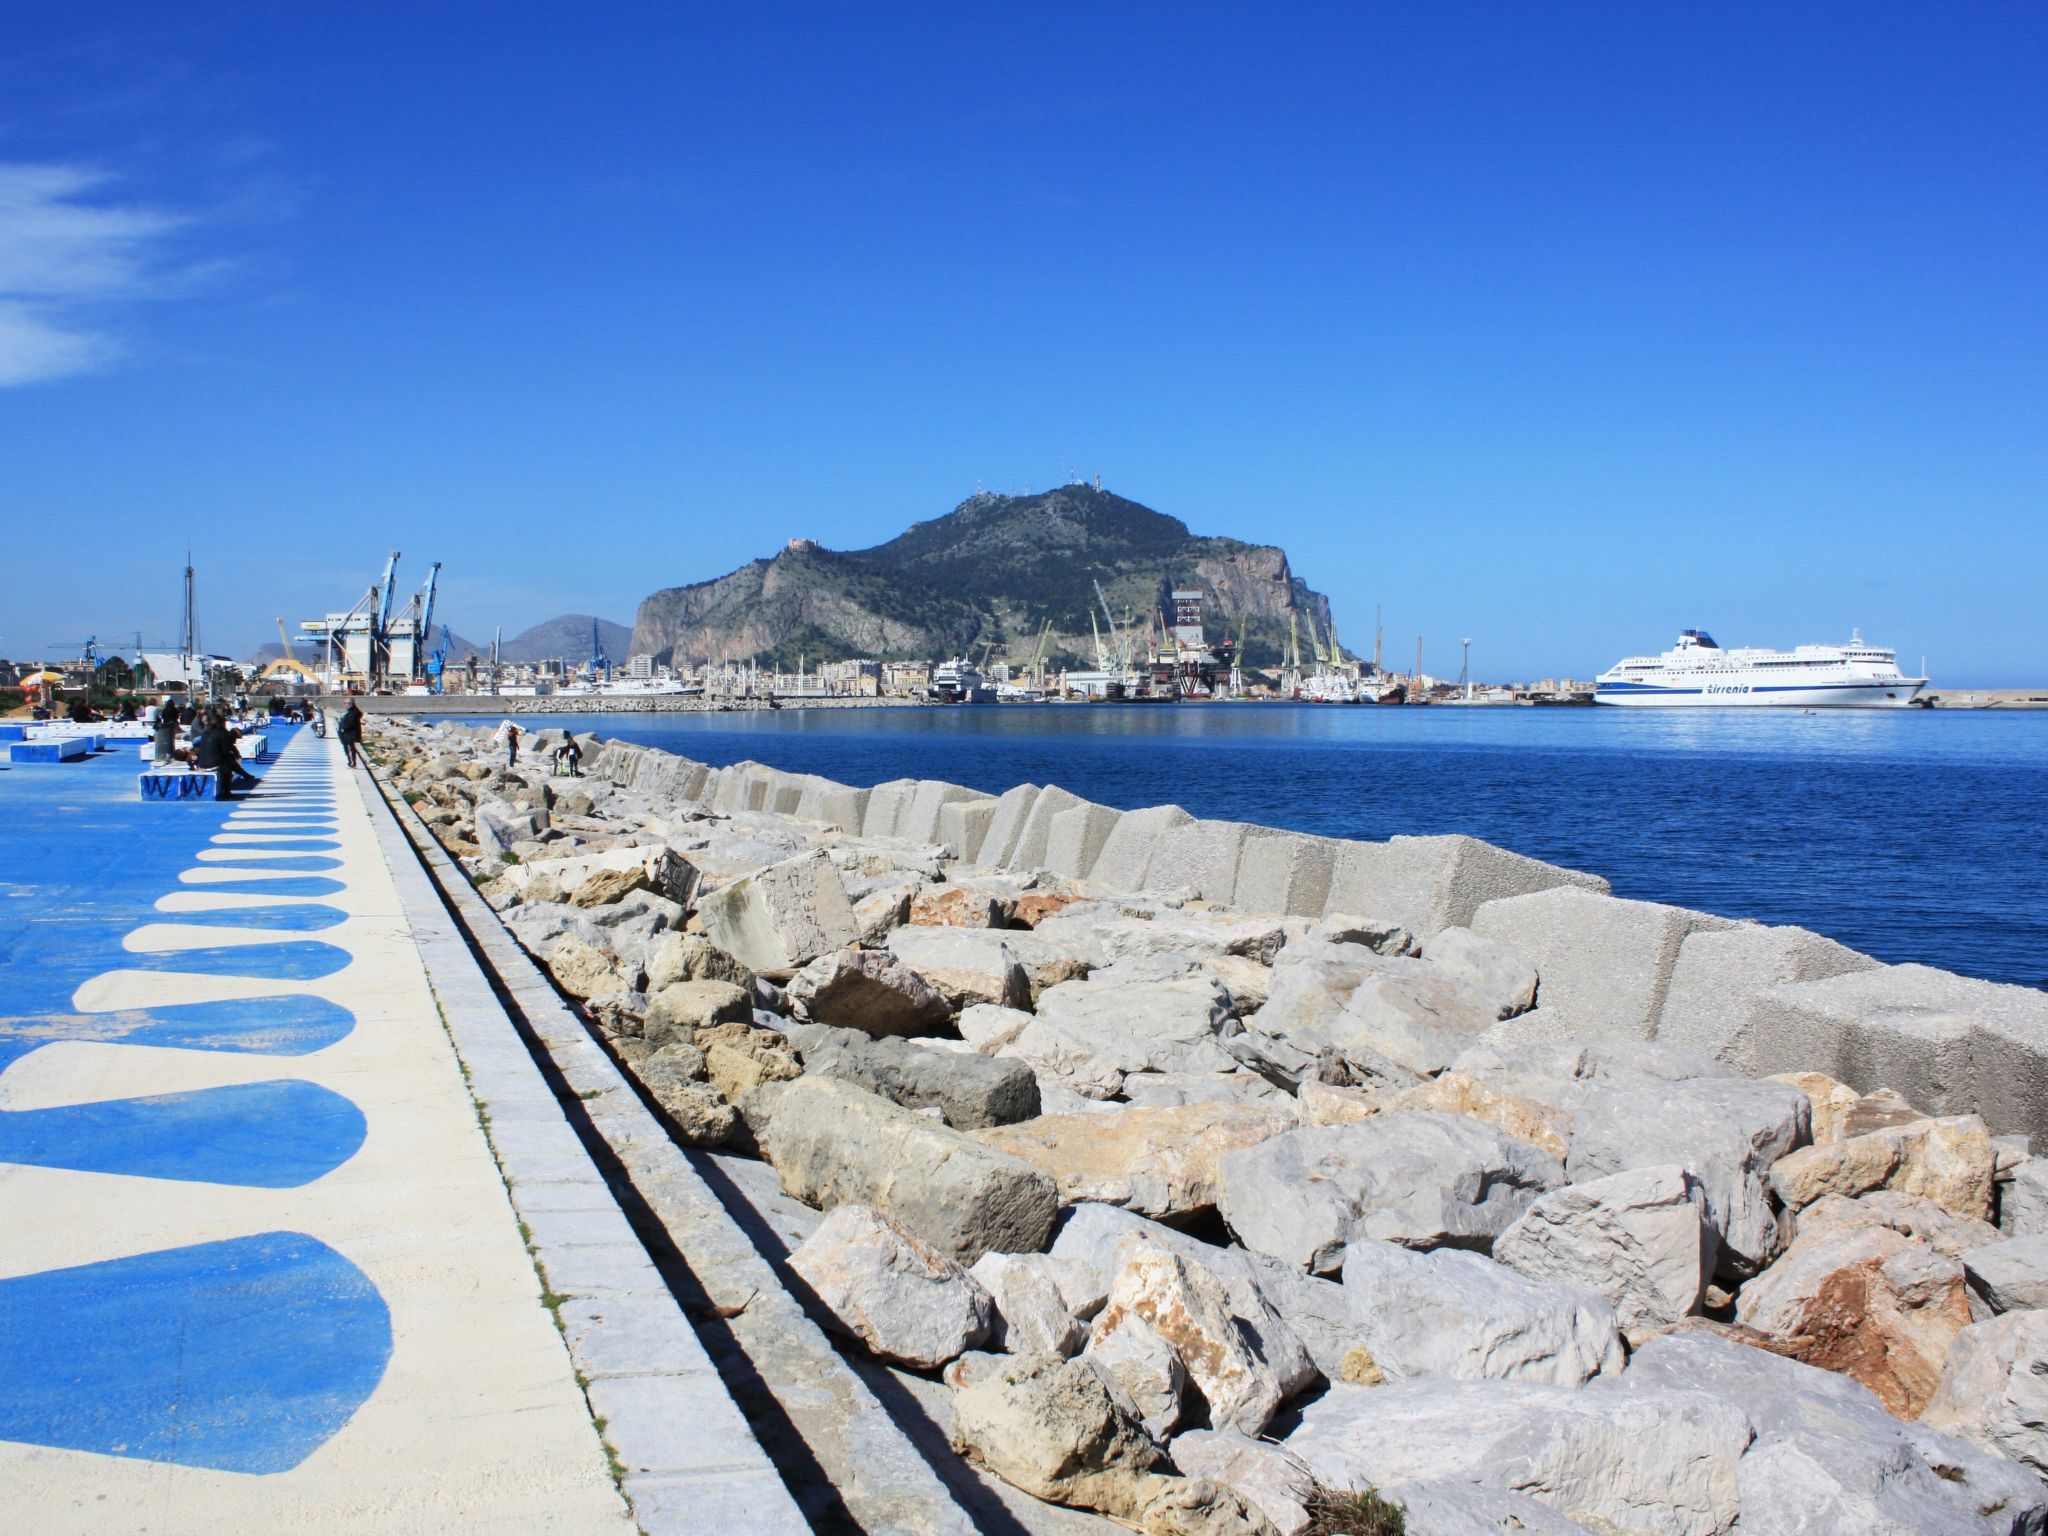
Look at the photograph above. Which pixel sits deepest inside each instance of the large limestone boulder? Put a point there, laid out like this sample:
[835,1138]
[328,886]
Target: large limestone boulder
[1107,932]
[673,957]
[1167,1090]
[582,969]
[1949,1161]
[1707,1007]
[834,1144]
[1151,1015]
[682,1008]
[1032,1314]
[1857,1467]
[1408,1012]
[1727,1132]
[1647,1459]
[870,991]
[1560,1071]
[1994,1390]
[1160,1162]
[2011,1276]
[1908,1215]
[1503,979]
[661,872]
[1129,1353]
[970,1090]
[966,966]
[1867,1302]
[1053,1428]
[1641,1239]
[1312,981]
[1463,1317]
[1418,1178]
[1544,1125]
[782,917]
[1189,1309]
[1428,884]
[1605,962]
[1084,1256]
[957,906]
[902,1298]
[1256,1469]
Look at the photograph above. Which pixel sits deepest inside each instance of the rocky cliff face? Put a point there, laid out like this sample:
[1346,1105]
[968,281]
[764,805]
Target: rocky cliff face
[995,568]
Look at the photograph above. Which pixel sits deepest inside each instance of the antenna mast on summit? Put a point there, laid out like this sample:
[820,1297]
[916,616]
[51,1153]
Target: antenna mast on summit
[1376,637]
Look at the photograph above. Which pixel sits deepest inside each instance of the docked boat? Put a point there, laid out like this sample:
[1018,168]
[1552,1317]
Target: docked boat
[1697,672]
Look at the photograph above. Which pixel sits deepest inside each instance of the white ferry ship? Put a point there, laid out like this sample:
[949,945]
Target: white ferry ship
[1699,673]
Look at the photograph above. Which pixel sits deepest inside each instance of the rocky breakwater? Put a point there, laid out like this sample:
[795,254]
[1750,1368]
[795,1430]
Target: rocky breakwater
[1221,1174]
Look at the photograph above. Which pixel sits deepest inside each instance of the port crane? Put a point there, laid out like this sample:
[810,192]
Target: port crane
[600,665]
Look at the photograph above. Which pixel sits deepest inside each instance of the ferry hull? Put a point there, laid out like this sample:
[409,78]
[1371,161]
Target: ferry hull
[1873,695]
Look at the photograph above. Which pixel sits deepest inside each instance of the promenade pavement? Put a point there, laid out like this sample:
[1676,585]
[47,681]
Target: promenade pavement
[258,1267]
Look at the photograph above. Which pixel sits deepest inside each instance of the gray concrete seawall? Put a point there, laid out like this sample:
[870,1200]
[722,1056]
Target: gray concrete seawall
[1763,999]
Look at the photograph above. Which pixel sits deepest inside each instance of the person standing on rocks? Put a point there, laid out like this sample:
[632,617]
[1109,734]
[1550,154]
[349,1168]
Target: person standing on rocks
[511,745]
[350,730]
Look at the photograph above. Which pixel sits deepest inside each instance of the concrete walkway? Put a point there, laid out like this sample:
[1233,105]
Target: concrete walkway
[258,1266]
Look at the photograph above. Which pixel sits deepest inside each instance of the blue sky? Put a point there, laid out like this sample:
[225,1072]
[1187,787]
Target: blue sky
[1557,326]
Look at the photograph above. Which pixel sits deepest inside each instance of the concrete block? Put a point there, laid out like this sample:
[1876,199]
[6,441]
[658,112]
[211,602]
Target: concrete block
[1605,963]
[1285,874]
[886,805]
[1951,1044]
[963,827]
[785,791]
[741,787]
[1074,840]
[1428,884]
[782,917]
[1012,806]
[1200,856]
[1128,848]
[1718,975]
[844,808]
[1036,832]
[919,822]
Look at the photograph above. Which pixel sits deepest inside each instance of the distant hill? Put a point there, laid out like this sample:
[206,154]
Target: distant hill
[567,637]
[995,568]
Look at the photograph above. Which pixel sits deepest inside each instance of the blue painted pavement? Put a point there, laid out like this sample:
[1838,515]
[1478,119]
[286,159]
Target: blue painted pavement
[242,1355]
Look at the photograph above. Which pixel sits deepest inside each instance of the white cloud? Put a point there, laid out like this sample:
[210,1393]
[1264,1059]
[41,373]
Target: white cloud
[66,262]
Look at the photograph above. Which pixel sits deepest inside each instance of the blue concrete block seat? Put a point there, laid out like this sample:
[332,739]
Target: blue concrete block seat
[178,783]
[13,731]
[64,749]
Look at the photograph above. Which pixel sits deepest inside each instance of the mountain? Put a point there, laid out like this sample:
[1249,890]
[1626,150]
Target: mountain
[567,637]
[995,568]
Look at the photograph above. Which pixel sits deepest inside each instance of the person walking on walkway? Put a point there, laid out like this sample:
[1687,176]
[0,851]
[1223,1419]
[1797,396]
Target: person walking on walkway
[350,730]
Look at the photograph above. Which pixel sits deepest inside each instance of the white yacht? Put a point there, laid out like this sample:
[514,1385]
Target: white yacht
[1697,672]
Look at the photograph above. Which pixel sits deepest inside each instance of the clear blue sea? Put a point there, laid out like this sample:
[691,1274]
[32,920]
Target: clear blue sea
[1912,835]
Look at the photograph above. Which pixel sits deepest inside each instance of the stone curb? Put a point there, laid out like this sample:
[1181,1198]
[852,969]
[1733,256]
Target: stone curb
[853,1445]
[692,1464]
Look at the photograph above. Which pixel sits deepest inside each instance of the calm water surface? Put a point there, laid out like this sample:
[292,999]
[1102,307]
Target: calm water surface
[1912,834]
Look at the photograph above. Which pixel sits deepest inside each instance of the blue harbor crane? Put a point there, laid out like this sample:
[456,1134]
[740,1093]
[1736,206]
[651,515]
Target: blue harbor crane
[600,664]
[438,662]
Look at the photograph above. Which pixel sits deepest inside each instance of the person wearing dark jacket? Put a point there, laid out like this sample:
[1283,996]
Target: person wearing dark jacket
[214,750]
[350,730]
